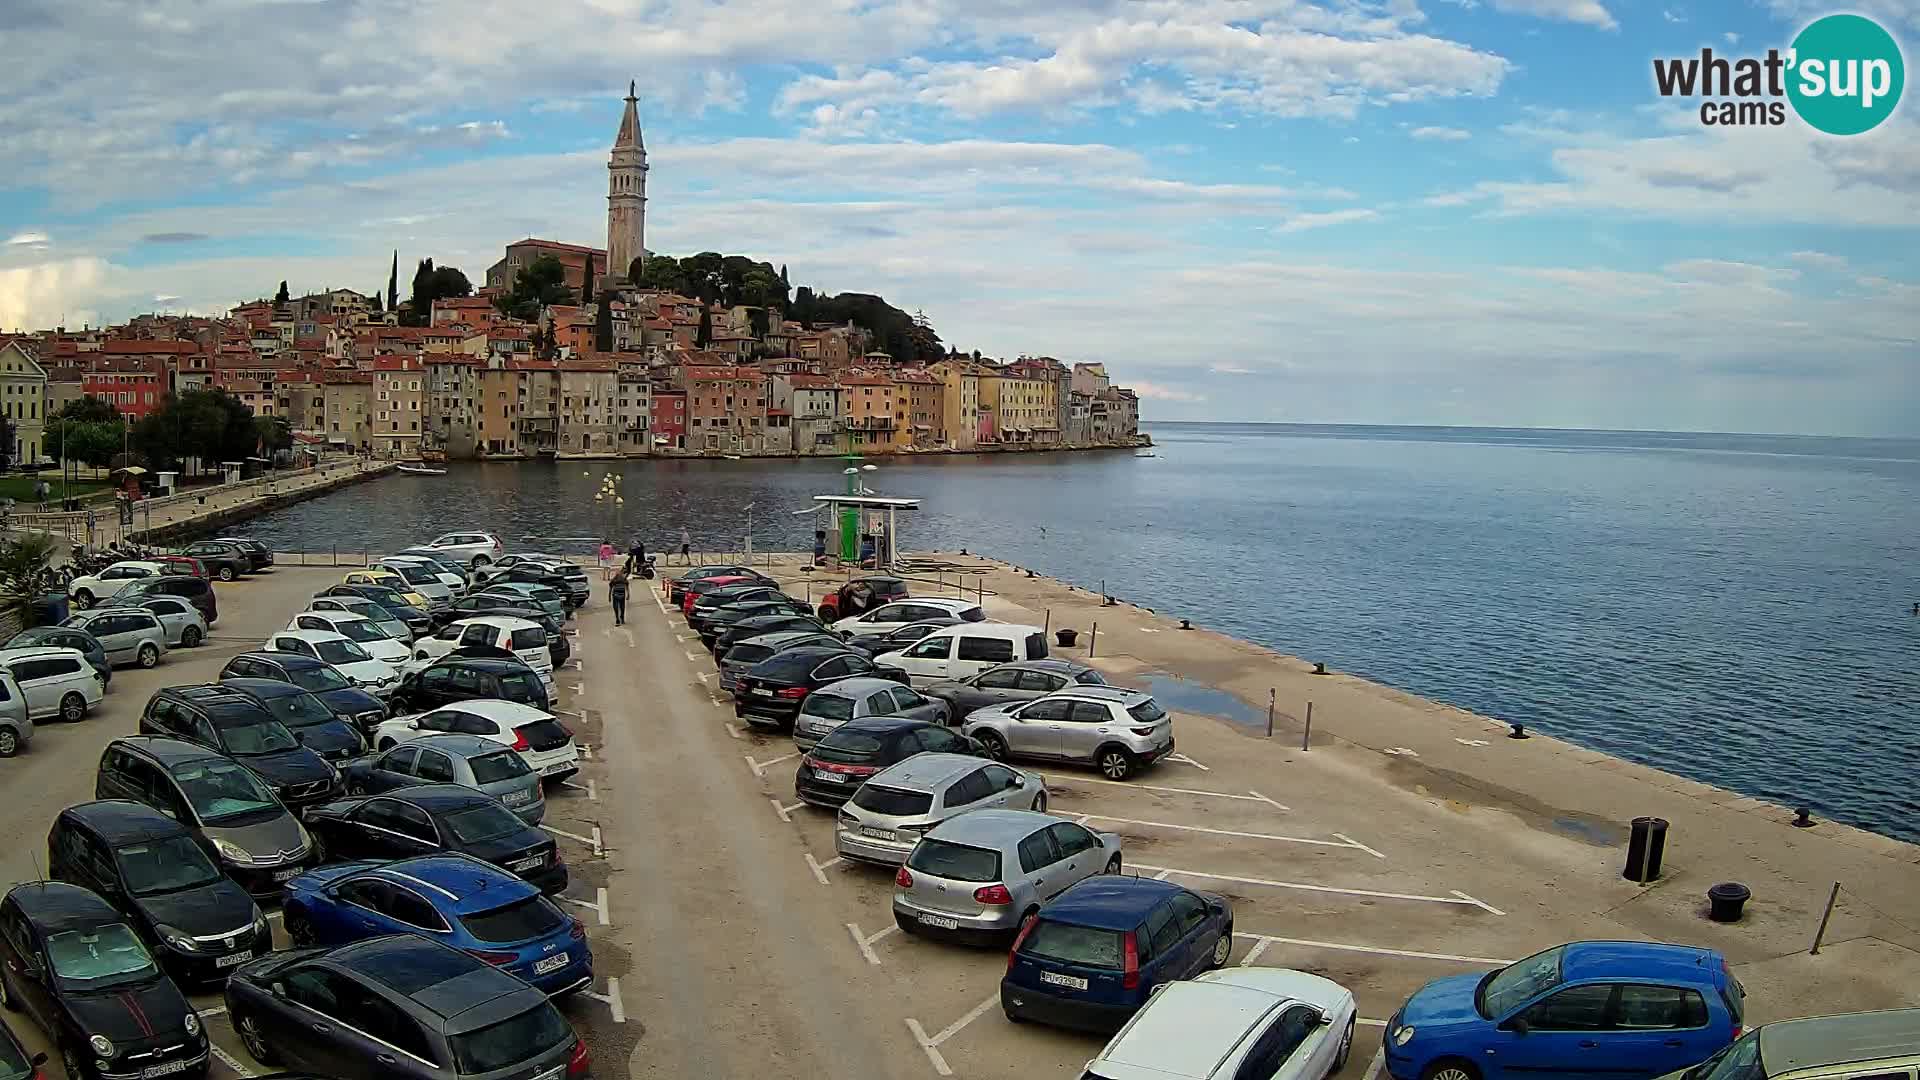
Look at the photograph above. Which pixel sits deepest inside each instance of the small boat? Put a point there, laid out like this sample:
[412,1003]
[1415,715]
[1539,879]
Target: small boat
[731,457]
[1145,453]
[421,470]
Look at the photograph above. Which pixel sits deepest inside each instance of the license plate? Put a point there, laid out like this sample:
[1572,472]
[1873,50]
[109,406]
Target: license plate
[551,964]
[558,766]
[288,874]
[551,1074]
[515,798]
[168,1069]
[234,960]
[877,834]
[527,864]
[829,777]
[939,921]
[1069,981]
[763,691]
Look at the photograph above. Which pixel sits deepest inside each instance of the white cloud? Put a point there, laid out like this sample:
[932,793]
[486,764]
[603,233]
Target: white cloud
[37,295]
[28,239]
[1441,134]
[1302,222]
[1588,12]
[1154,391]
[1228,369]
[1672,16]
[1820,260]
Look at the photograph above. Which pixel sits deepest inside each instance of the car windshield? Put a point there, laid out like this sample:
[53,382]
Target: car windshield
[1148,712]
[102,956]
[522,686]
[340,652]
[482,821]
[519,921]
[511,1041]
[317,679]
[1516,984]
[358,630]
[829,706]
[221,791]
[1740,1061]
[262,737]
[416,575]
[959,862]
[892,801]
[164,866]
[1083,945]
[298,710]
[493,768]
[13,1063]
[973,614]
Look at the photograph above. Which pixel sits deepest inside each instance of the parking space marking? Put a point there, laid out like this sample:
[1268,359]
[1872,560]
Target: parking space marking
[1359,845]
[1185,760]
[211,1010]
[1341,843]
[931,1044]
[585,750]
[229,1061]
[591,841]
[864,942]
[820,868]
[760,767]
[1455,897]
[598,907]
[734,730]
[691,656]
[1250,796]
[704,676]
[592,795]
[1378,1063]
[611,999]
[680,638]
[1264,940]
[785,813]
[659,603]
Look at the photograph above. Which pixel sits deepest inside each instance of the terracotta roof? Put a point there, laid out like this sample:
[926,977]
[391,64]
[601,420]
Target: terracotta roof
[590,363]
[555,245]
[715,373]
[861,378]
[811,382]
[396,363]
[149,348]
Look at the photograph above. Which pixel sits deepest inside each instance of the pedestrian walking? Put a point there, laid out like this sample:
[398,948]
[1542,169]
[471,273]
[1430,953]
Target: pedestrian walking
[819,546]
[686,546]
[606,554]
[617,592]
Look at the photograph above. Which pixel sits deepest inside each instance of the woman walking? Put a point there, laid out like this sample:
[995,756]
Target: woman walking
[617,592]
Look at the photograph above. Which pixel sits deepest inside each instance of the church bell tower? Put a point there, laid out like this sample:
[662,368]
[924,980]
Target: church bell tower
[626,195]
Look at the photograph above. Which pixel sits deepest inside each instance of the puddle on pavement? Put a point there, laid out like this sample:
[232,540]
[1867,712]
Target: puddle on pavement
[1185,695]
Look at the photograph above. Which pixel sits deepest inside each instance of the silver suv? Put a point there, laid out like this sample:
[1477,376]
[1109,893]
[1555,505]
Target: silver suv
[1119,730]
[894,809]
[129,635]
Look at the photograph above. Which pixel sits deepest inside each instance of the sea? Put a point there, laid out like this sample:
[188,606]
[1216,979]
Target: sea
[1739,609]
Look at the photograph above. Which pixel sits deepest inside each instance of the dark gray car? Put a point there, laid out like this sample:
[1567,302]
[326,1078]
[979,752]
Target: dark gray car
[744,654]
[483,764]
[895,640]
[1022,680]
[856,699]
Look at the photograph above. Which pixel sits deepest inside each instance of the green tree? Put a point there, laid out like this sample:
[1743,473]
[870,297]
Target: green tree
[539,283]
[203,426]
[23,564]
[703,275]
[393,283]
[6,442]
[704,334]
[281,298]
[273,434]
[90,409]
[659,272]
[432,283]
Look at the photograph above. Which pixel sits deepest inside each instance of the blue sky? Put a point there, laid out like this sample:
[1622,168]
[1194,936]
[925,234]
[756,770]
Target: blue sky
[1414,211]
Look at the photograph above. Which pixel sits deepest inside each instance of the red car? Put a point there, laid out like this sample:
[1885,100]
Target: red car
[697,589]
[860,595]
[182,564]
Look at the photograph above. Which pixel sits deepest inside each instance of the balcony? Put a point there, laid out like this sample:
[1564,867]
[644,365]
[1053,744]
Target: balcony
[870,423]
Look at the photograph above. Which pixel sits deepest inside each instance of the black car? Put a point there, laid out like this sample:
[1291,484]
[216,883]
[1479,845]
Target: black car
[417,619]
[900,637]
[317,727]
[755,625]
[243,729]
[195,919]
[722,619]
[195,591]
[677,589]
[259,555]
[574,583]
[431,818]
[400,1007]
[838,764]
[710,604]
[528,574]
[1021,680]
[317,677]
[15,1062]
[73,963]
[770,693]
[222,559]
[452,679]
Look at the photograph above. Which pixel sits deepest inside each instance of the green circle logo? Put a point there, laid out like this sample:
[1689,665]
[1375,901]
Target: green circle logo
[1846,74]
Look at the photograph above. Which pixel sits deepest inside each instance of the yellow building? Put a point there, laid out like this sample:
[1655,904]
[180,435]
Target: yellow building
[23,392]
[872,417]
[959,402]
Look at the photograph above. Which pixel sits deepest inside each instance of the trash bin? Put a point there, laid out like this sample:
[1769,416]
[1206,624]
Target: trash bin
[1727,900]
[51,610]
[1065,637]
[1645,846]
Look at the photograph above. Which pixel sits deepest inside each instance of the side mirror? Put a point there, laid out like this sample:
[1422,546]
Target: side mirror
[1516,1025]
[280,990]
[1325,1019]
[413,725]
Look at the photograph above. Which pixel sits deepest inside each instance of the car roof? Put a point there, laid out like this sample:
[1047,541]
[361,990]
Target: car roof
[1641,959]
[1189,1028]
[445,796]
[313,636]
[128,609]
[438,978]
[465,883]
[503,622]
[511,712]
[56,905]
[39,652]
[1814,1041]
[1050,665]
[330,616]
[284,659]
[123,820]
[779,636]
[856,687]
[262,688]
[1120,695]
[1108,902]
[147,564]
[168,751]
[456,743]
[218,699]
[948,602]
[481,663]
[883,725]
[926,772]
[991,828]
[1323,994]
[806,652]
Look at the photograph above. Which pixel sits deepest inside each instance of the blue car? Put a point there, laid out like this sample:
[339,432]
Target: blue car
[455,899]
[1091,956]
[1618,1009]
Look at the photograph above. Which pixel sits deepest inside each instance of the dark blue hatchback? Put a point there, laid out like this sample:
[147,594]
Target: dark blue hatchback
[1089,959]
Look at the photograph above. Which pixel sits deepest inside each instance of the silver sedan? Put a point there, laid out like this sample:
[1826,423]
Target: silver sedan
[979,875]
[894,808]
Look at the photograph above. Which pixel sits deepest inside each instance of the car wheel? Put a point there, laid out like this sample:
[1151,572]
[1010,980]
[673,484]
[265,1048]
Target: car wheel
[149,656]
[255,1041]
[1450,1069]
[481,560]
[1115,763]
[1346,1048]
[83,599]
[994,745]
[190,637]
[1040,803]
[299,930]
[1223,948]
[73,708]
[1113,865]
[226,573]
[9,742]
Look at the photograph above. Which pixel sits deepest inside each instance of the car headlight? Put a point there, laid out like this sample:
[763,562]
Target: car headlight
[260,927]
[1402,1035]
[193,1022]
[306,839]
[233,852]
[333,774]
[102,1045]
[177,938]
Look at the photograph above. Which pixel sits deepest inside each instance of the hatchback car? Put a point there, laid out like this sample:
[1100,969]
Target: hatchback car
[743,655]
[55,682]
[62,637]
[538,577]
[899,613]
[420,578]
[856,699]
[889,813]
[755,625]
[1010,684]
[1619,1008]
[466,903]
[677,588]
[856,750]
[259,555]
[387,579]
[976,877]
[349,659]
[1236,1024]
[317,677]
[572,578]
[1882,1045]
[417,620]
[769,693]
[1117,730]
[239,726]
[473,547]
[89,589]
[16,727]
[394,628]
[873,644]
[432,818]
[74,965]
[195,591]
[130,635]
[466,678]
[445,758]
[373,639]
[233,813]
[452,575]
[690,592]
[183,623]
[193,918]
[535,734]
[488,635]
[181,564]
[707,606]
[1091,957]
[400,1007]
[223,560]
[313,724]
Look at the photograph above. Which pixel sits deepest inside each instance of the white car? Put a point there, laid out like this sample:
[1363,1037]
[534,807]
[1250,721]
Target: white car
[454,582]
[525,640]
[892,616]
[360,668]
[470,546]
[184,624]
[356,605]
[93,588]
[1239,1021]
[542,741]
[421,577]
[56,682]
[358,629]
[518,558]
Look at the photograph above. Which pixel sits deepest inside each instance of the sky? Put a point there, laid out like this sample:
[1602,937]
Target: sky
[1414,211]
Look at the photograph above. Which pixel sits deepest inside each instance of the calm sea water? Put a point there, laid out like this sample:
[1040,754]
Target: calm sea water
[1734,608]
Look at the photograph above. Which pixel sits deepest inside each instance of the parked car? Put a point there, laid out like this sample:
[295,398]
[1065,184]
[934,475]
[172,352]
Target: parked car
[465,678]
[873,644]
[89,589]
[348,658]
[957,652]
[889,813]
[856,699]
[194,919]
[535,734]
[239,726]
[130,635]
[1240,1022]
[401,588]
[195,591]
[446,563]
[454,1015]
[318,728]
[468,904]
[362,631]
[707,605]
[1010,684]
[184,625]
[898,613]
[419,578]
[572,583]
[233,813]
[519,593]
[769,693]
[677,588]
[486,635]
[977,877]
[16,727]
[755,625]
[559,649]
[394,627]
[1118,731]
[418,620]
[473,547]
[692,591]
[857,749]
[181,564]
[1091,956]
[65,637]
[744,655]
[76,967]
[55,682]
[1619,1008]
[724,619]
[454,579]
[317,677]
[1882,1045]
[225,561]
[259,555]
[860,595]
[445,758]
[431,818]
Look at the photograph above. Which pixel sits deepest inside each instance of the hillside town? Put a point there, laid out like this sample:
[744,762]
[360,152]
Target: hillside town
[573,351]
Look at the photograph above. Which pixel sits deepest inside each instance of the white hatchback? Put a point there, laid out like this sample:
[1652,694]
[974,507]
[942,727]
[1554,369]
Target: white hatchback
[527,641]
[542,741]
[1242,1021]
[89,590]
[377,678]
[358,629]
[899,613]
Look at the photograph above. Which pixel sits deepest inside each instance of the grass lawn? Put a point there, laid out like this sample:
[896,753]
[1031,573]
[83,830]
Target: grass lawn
[20,488]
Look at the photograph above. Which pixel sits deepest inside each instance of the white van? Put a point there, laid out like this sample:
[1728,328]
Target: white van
[957,652]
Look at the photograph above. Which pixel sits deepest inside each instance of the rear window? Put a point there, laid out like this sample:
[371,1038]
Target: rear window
[748,654]
[992,650]
[522,687]
[797,662]
[511,1041]
[893,801]
[1090,677]
[973,614]
[957,862]
[1148,712]
[523,919]
[1072,944]
[1036,646]
[829,706]
[493,768]
[847,745]
[485,821]
[544,734]
[530,638]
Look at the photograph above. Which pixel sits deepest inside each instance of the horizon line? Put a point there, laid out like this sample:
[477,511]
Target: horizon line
[1915,437]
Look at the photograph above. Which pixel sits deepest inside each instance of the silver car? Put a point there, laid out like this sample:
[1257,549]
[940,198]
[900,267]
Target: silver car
[855,699]
[979,875]
[1119,730]
[16,727]
[130,635]
[489,766]
[184,624]
[354,605]
[744,654]
[897,806]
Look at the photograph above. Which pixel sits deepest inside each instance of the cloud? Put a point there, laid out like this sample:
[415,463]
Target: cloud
[1672,16]
[28,239]
[1228,369]
[173,238]
[1302,222]
[1153,391]
[1587,12]
[63,288]
[165,301]
[1441,134]
[1820,260]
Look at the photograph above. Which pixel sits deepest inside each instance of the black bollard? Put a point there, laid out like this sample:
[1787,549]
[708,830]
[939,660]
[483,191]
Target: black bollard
[1646,844]
[1319,669]
[1185,625]
[1726,900]
[1519,732]
[1803,818]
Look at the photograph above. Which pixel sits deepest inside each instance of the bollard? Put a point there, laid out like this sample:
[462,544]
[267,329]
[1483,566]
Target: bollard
[1047,623]
[1306,737]
[1319,669]
[1092,636]
[1824,916]
[1185,625]
[1727,898]
[1646,844]
[1803,818]
[1519,732]
[1269,712]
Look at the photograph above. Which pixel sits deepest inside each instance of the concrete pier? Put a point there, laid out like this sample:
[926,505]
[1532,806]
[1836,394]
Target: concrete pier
[173,517]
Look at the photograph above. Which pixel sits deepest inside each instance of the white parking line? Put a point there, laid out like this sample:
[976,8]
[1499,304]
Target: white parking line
[585,750]
[1341,843]
[1185,760]
[599,906]
[820,868]
[591,841]
[704,676]
[864,942]
[759,767]
[932,1044]
[734,730]
[1251,796]
[1378,1063]
[691,656]
[680,638]
[1265,940]
[229,1061]
[611,999]
[592,796]
[1456,896]
[1359,845]
[785,812]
